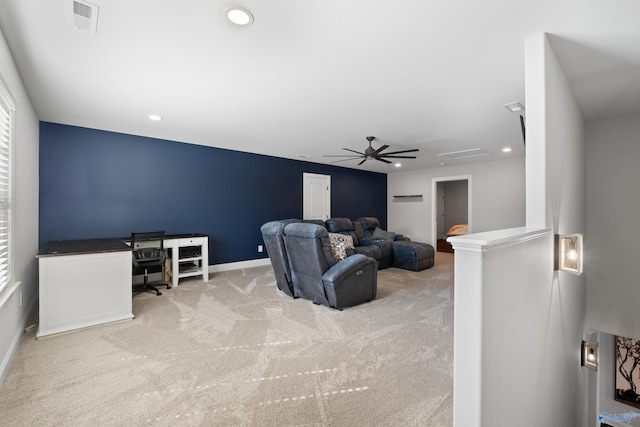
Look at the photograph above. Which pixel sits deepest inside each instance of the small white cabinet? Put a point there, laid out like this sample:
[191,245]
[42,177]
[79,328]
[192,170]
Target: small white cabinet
[187,256]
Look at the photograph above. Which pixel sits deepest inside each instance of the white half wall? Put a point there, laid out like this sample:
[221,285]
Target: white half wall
[497,197]
[518,323]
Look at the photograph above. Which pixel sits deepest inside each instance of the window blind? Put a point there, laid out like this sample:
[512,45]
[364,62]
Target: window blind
[6,126]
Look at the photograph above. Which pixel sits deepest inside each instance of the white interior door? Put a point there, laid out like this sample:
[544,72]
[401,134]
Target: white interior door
[316,196]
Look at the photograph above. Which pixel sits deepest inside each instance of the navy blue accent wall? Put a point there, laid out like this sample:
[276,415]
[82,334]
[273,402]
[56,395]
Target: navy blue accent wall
[95,184]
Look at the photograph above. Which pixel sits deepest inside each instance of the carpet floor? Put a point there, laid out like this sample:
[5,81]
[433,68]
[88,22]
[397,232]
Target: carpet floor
[235,351]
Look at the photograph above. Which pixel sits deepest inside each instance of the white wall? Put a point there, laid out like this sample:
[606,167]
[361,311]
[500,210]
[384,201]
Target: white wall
[613,226]
[613,208]
[564,173]
[497,197]
[13,316]
[516,320]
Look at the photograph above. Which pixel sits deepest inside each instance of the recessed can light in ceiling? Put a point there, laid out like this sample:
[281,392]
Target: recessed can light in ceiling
[239,16]
[155,117]
[398,165]
[506,150]
[514,107]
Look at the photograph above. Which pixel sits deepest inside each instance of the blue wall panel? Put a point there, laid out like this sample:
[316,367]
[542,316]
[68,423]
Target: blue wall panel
[104,184]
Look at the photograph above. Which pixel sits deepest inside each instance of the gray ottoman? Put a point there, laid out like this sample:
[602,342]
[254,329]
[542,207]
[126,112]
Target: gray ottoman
[412,255]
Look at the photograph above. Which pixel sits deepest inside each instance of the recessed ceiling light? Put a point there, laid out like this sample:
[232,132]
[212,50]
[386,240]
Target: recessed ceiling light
[514,107]
[506,150]
[155,117]
[398,165]
[443,164]
[239,16]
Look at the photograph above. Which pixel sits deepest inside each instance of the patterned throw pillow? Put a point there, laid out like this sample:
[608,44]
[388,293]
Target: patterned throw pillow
[339,244]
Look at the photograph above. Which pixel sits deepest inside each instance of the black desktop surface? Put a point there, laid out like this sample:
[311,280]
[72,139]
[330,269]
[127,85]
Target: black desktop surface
[83,246]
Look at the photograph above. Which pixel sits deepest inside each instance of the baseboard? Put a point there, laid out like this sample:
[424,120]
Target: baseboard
[13,347]
[238,265]
[216,268]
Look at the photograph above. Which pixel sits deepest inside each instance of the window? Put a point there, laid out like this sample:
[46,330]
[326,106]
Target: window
[6,136]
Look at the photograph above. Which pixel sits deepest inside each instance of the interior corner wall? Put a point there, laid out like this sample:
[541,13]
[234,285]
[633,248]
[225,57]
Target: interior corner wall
[613,208]
[95,184]
[497,197]
[536,160]
[14,313]
[556,199]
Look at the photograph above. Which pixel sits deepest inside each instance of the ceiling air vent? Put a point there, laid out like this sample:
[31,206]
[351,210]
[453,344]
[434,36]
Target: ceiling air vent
[474,152]
[85,15]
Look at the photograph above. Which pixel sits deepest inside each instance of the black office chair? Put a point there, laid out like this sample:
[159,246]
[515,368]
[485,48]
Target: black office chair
[148,254]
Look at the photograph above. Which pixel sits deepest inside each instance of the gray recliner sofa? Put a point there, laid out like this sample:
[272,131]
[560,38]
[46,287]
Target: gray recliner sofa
[273,236]
[318,276]
[377,249]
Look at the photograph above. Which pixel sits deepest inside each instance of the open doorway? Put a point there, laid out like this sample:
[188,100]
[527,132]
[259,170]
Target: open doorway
[451,209]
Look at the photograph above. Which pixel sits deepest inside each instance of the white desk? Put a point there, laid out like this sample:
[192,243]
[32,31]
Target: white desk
[88,282]
[188,256]
[83,283]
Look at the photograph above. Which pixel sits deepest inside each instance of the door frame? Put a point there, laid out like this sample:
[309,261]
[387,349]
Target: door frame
[434,201]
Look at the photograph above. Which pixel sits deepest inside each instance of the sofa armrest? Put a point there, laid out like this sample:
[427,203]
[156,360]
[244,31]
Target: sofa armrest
[368,241]
[349,265]
[385,248]
[351,281]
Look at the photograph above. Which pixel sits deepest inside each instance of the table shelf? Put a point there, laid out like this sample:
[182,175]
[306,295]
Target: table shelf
[193,250]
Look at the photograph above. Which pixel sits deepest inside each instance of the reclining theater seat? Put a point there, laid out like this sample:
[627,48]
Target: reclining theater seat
[381,252]
[370,224]
[273,236]
[407,254]
[318,276]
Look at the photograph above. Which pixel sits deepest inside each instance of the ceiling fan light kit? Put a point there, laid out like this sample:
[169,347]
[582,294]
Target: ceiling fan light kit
[375,154]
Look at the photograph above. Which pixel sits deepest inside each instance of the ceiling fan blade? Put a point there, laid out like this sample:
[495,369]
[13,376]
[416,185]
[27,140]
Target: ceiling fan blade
[398,157]
[344,160]
[346,155]
[384,147]
[370,154]
[400,152]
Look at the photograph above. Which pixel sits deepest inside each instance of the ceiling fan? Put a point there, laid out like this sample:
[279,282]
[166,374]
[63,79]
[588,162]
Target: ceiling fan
[372,154]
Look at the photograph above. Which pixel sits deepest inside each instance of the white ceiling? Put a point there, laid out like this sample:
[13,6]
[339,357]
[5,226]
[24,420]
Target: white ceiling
[309,78]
